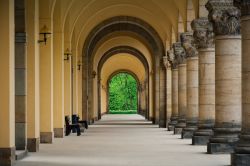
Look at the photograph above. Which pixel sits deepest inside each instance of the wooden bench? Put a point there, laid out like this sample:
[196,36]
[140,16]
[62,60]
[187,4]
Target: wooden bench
[70,127]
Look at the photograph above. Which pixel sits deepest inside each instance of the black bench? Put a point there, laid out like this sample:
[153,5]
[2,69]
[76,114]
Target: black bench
[70,127]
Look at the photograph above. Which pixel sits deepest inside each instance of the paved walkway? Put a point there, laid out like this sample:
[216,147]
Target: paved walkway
[123,140]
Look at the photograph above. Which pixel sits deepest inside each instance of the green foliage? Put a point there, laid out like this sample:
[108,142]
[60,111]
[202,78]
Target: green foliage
[123,94]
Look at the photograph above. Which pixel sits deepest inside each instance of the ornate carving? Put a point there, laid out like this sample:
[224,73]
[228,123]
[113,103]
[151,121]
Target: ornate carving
[187,41]
[244,6]
[224,16]
[203,33]
[165,61]
[179,52]
[172,59]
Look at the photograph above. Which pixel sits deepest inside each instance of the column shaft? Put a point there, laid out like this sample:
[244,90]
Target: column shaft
[206,96]
[241,155]
[33,110]
[182,98]
[227,94]
[7,95]
[192,97]
[174,116]
[169,94]
[46,87]
[58,74]
[163,104]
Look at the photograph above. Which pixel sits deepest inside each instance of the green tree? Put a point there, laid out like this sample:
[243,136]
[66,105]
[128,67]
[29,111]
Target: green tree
[123,94]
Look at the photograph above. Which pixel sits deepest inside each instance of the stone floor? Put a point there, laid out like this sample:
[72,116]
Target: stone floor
[123,140]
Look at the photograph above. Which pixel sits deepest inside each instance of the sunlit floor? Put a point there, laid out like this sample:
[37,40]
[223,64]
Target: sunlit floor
[123,140]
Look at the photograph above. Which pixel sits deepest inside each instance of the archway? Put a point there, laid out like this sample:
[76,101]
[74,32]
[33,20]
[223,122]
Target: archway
[123,96]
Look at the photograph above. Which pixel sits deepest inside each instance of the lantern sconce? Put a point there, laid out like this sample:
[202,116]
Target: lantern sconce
[79,64]
[93,74]
[67,54]
[45,33]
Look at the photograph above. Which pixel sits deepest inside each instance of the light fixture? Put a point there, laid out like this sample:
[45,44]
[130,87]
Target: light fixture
[93,74]
[79,64]
[45,33]
[68,54]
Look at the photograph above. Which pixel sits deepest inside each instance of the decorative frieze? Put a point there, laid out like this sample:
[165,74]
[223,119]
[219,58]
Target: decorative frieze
[187,41]
[179,52]
[203,33]
[224,16]
[244,6]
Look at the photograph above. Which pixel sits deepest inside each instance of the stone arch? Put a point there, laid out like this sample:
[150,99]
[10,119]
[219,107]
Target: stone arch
[134,52]
[121,24]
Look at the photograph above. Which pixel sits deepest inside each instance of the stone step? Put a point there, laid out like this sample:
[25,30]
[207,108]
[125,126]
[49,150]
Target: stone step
[20,154]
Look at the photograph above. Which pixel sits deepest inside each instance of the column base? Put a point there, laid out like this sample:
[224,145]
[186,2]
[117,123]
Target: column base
[58,132]
[162,124]
[178,130]
[7,156]
[187,133]
[46,137]
[220,148]
[33,144]
[240,159]
[170,128]
[200,140]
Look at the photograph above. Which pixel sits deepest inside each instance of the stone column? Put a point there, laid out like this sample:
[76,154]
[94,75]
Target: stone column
[241,155]
[163,104]
[7,88]
[58,72]
[20,77]
[174,65]
[192,85]
[46,85]
[182,87]
[204,40]
[225,19]
[33,110]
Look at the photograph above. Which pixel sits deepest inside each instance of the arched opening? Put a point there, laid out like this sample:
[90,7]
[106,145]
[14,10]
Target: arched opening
[123,94]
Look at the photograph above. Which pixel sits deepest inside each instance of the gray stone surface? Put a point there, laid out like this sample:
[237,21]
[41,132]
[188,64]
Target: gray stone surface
[7,156]
[58,132]
[240,159]
[200,140]
[33,144]
[46,137]
[20,136]
[123,140]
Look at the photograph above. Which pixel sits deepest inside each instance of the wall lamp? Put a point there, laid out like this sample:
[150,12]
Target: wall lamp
[79,64]
[67,54]
[93,74]
[45,33]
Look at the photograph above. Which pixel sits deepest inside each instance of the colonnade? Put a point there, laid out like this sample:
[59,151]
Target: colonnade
[216,79]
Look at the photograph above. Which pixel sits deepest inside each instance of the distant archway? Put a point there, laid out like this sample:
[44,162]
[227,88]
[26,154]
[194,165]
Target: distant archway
[123,96]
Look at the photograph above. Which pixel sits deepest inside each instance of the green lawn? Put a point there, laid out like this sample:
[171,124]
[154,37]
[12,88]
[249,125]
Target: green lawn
[123,111]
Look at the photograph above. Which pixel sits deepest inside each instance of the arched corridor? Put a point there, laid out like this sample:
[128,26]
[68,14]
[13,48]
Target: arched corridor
[122,140]
[190,60]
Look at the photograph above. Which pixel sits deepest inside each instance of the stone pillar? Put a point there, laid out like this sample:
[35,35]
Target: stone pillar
[204,40]
[241,155]
[192,85]
[20,77]
[174,81]
[33,110]
[67,86]
[163,104]
[7,88]
[46,85]
[58,69]
[168,86]
[225,19]
[182,87]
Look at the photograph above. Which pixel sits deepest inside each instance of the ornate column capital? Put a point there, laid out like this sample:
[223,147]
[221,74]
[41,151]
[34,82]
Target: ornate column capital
[203,33]
[187,41]
[224,16]
[179,52]
[244,6]
[172,59]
